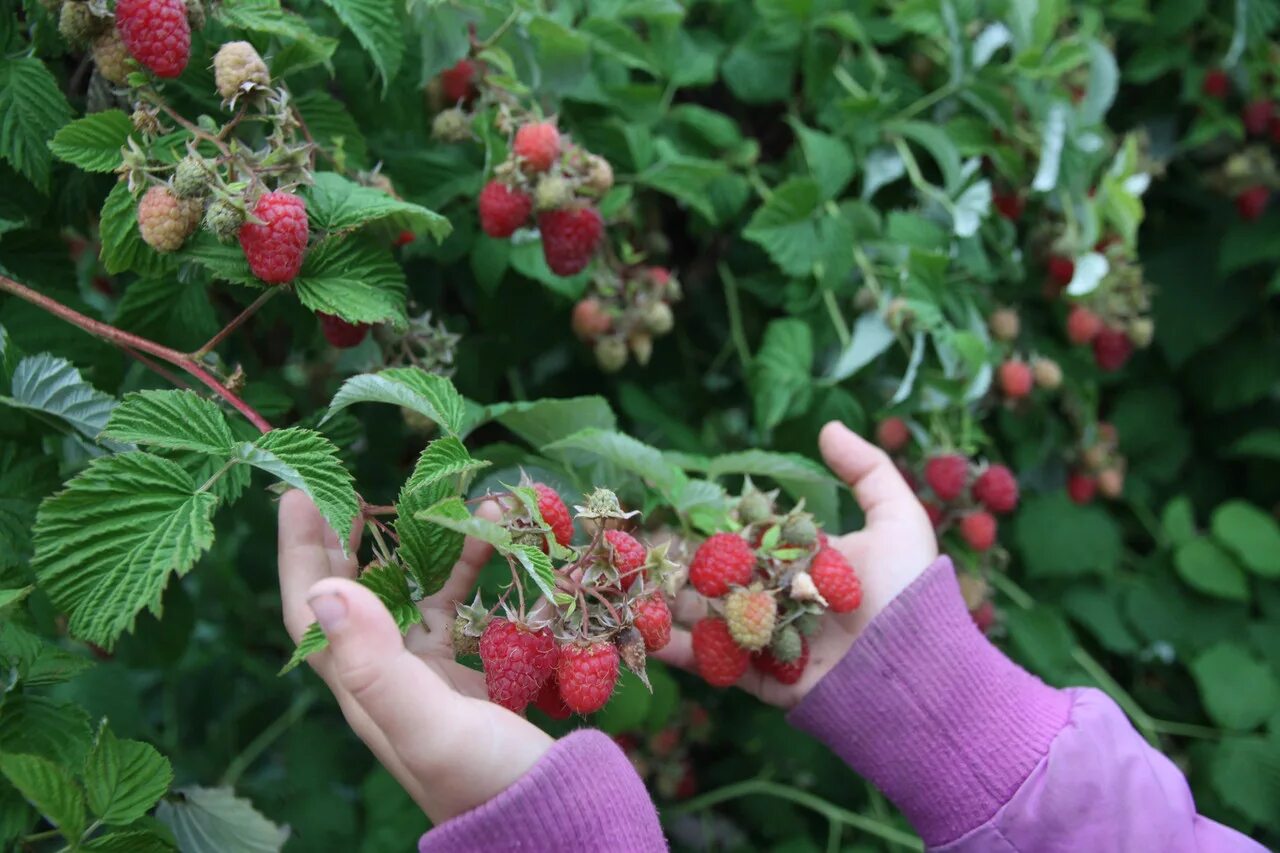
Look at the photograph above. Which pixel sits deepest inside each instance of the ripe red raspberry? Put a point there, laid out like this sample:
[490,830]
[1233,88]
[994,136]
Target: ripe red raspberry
[554,513]
[626,555]
[156,33]
[164,220]
[590,319]
[660,276]
[653,621]
[947,475]
[1081,487]
[537,144]
[720,660]
[1061,270]
[570,236]
[1216,83]
[784,673]
[459,82]
[1082,325]
[587,673]
[503,209]
[1252,203]
[997,490]
[836,580]
[1008,204]
[724,560]
[979,530]
[1015,379]
[1257,115]
[751,615]
[517,662]
[892,434]
[341,334]
[275,248]
[548,700]
[1111,349]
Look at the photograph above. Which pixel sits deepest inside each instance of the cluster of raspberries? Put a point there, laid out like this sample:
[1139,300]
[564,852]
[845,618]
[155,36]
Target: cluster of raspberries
[664,759]
[624,313]
[1099,467]
[1115,318]
[769,582]
[154,35]
[564,656]
[1016,376]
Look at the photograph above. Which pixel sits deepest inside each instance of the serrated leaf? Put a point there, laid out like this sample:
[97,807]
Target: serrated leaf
[442,458]
[168,310]
[430,550]
[627,453]
[391,585]
[16,816]
[25,478]
[106,545]
[122,246]
[829,159]
[266,16]
[176,420]
[224,262]
[781,382]
[453,514]
[38,725]
[426,393]
[540,422]
[538,566]
[215,820]
[332,126]
[307,460]
[355,280]
[37,660]
[94,142]
[377,27]
[1238,691]
[1058,539]
[1251,534]
[802,478]
[785,226]
[313,640]
[48,787]
[123,779]
[32,108]
[129,841]
[52,386]
[336,204]
[1205,567]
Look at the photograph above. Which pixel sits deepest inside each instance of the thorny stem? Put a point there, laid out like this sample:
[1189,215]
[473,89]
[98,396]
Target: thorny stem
[236,323]
[515,582]
[371,510]
[127,341]
[217,475]
[195,130]
[171,377]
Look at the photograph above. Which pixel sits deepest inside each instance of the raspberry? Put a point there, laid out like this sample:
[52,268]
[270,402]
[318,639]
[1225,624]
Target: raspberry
[658,318]
[1047,373]
[1004,324]
[570,237]
[1216,83]
[946,475]
[503,209]
[223,219]
[554,513]
[788,672]
[459,82]
[275,248]
[1111,483]
[611,354]
[1081,487]
[661,277]
[997,490]
[404,238]
[191,177]
[750,614]
[238,68]
[341,334]
[653,621]
[979,530]
[165,220]
[77,24]
[590,320]
[517,662]
[111,57]
[156,33]
[587,673]
[1257,116]
[1082,325]
[724,560]
[552,193]
[799,530]
[836,580]
[720,660]
[1061,270]
[1252,203]
[599,174]
[1015,379]
[1111,349]
[451,125]
[626,555]
[537,144]
[892,434]
[1008,204]
[548,700]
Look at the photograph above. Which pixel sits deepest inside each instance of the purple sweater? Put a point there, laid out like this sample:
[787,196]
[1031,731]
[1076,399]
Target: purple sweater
[979,755]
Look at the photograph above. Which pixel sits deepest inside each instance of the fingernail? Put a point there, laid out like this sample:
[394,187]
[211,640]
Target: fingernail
[330,610]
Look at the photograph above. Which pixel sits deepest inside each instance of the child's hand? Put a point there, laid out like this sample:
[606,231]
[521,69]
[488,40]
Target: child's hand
[894,549]
[422,714]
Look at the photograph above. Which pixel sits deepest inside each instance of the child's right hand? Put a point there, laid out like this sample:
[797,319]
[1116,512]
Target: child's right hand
[892,550]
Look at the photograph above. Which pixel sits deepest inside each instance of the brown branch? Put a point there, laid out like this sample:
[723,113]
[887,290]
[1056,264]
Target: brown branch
[244,315]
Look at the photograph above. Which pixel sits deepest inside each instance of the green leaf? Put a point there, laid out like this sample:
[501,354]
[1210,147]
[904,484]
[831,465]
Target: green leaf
[1205,567]
[441,459]
[934,139]
[313,640]
[871,336]
[32,108]
[168,310]
[426,393]
[52,386]
[332,125]
[1238,691]
[122,246]
[106,545]
[16,817]
[94,142]
[453,514]
[123,779]
[307,460]
[215,820]
[1245,772]
[781,381]
[48,787]
[802,478]
[785,226]
[391,585]
[1251,534]
[620,42]
[266,16]
[627,453]
[129,841]
[429,550]
[376,26]
[355,280]
[37,660]
[540,422]
[176,420]
[1179,521]
[25,478]
[223,262]
[829,159]
[538,566]
[38,725]
[336,204]
[1058,539]
[1262,443]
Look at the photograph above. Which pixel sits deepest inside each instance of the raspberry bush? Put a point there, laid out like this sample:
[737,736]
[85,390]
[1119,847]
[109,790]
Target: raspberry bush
[583,281]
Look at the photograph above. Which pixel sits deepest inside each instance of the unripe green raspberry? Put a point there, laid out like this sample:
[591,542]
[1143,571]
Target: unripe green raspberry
[191,177]
[552,193]
[238,68]
[1047,373]
[751,614]
[196,16]
[77,24]
[808,624]
[611,354]
[111,57]
[754,508]
[599,174]
[223,219]
[451,125]
[658,318]
[1142,331]
[800,530]
[787,645]
[641,347]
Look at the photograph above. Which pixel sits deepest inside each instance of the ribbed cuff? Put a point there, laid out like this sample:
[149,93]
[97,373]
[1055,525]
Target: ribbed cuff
[583,795]
[933,714]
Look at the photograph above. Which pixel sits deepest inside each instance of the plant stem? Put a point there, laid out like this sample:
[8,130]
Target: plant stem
[217,475]
[736,331]
[266,737]
[837,320]
[499,32]
[240,319]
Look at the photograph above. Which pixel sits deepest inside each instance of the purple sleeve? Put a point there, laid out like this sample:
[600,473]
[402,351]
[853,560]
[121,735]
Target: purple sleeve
[583,795]
[980,755]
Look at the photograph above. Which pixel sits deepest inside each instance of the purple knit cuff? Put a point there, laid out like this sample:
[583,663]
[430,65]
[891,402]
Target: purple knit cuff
[583,795]
[933,714]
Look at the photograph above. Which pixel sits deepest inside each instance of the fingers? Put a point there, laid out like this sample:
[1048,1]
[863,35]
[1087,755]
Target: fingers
[879,487]
[678,652]
[303,557]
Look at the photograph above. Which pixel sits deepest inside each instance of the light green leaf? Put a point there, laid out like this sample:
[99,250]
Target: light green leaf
[429,550]
[52,386]
[38,725]
[619,42]
[215,820]
[829,159]
[376,26]
[94,142]
[538,566]
[129,841]
[355,280]
[107,544]
[1238,691]
[308,461]
[426,393]
[1104,82]
[32,108]
[540,422]
[441,459]
[176,420]
[871,336]
[781,381]
[625,452]
[48,787]
[123,779]
[313,640]
[1058,539]
[1251,534]
[336,204]
[1205,567]
[934,139]
[37,660]
[25,478]
[802,478]
[266,16]
[453,514]
[1179,520]
[785,226]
